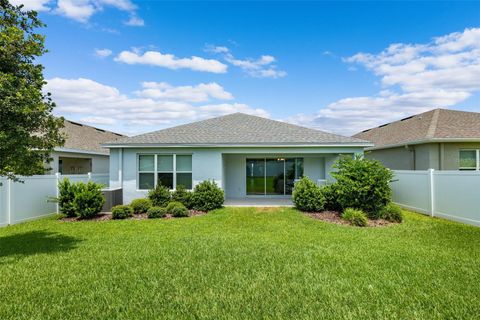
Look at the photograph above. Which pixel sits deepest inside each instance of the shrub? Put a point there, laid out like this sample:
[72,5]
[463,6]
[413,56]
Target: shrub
[307,196]
[156,212]
[88,200]
[122,212]
[66,197]
[329,193]
[177,209]
[363,184]
[160,196]
[182,195]
[141,205]
[355,217]
[391,212]
[207,196]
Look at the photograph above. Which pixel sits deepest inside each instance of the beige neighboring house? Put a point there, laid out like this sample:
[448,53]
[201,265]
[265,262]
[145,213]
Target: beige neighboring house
[82,152]
[438,139]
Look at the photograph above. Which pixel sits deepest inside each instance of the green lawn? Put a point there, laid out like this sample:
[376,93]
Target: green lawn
[239,263]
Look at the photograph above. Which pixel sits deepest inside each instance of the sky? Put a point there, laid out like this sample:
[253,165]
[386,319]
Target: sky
[138,66]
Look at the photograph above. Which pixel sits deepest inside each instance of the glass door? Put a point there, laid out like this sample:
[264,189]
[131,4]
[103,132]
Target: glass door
[273,176]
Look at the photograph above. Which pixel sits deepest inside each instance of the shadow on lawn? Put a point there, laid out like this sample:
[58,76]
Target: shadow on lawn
[35,242]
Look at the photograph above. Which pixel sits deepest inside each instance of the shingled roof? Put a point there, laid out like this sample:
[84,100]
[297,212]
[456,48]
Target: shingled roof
[86,138]
[434,125]
[238,129]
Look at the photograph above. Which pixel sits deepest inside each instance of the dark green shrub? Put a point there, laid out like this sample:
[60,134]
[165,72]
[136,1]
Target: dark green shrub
[330,195]
[355,217]
[160,196]
[141,205]
[363,184]
[177,209]
[391,212]
[66,197]
[122,212]
[307,196]
[156,212]
[207,196]
[183,195]
[89,199]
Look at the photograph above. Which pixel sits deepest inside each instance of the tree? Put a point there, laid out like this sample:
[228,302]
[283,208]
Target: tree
[28,130]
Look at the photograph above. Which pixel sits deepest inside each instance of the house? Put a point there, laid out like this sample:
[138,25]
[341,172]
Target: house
[82,152]
[247,156]
[438,139]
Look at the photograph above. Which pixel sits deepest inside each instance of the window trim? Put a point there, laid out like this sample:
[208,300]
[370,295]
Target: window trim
[156,171]
[477,160]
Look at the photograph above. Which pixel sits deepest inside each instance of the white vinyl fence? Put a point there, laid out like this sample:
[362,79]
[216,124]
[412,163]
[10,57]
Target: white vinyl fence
[31,199]
[453,195]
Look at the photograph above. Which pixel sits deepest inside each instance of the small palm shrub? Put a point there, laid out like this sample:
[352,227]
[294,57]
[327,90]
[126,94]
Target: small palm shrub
[307,196]
[207,196]
[156,212]
[355,217]
[177,209]
[141,205]
[89,199]
[122,212]
[183,195]
[160,196]
[66,197]
[362,183]
[391,212]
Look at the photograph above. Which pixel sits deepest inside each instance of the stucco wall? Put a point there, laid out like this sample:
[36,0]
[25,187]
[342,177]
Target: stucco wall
[224,165]
[438,156]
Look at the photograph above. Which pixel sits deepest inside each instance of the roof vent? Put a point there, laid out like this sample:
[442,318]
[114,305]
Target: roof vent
[76,123]
[101,130]
[407,118]
[366,130]
[383,125]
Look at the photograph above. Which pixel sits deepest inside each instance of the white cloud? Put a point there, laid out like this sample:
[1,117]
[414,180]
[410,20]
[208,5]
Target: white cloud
[103,53]
[82,10]
[92,102]
[263,67]
[37,5]
[135,21]
[156,58]
[414,78]
[199,93]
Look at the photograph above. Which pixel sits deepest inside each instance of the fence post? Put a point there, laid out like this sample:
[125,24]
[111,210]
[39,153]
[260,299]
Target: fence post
[9,201]
[432,191]
[89,176]
[57,181]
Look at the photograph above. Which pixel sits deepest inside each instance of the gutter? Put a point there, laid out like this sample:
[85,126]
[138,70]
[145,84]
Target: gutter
[67,150]
[165,145]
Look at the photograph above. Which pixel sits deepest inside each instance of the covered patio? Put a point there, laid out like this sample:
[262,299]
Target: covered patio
[259,202]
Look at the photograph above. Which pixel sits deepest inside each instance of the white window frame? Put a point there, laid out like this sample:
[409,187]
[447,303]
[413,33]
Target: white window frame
[477,160]
[156,171]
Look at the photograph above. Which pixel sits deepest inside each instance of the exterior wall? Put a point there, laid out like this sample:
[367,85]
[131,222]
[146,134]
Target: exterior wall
[226,166]
[394,158]
[100,163]
[451,153]
[438,156]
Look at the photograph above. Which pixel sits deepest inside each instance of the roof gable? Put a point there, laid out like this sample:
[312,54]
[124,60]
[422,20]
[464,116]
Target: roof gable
[237,129]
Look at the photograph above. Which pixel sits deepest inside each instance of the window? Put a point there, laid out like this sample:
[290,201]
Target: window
[469,160]
[170,170]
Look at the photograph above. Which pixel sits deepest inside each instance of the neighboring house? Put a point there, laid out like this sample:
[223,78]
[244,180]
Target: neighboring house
[82,152]
[438,139]
[245,155]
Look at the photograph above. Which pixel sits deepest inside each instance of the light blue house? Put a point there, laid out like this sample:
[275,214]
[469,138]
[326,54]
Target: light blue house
[247,156]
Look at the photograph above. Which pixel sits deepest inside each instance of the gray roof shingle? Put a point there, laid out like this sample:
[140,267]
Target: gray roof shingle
[237,129]
[430,125]
[86,138]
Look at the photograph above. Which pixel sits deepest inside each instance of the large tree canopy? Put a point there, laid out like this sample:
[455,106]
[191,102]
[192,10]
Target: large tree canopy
[28,130]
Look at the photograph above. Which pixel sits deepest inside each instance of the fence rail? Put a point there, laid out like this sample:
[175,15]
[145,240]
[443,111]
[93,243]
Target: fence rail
[453,195]
[31,198]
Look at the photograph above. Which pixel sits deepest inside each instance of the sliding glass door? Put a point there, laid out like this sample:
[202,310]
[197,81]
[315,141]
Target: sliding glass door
[272,176]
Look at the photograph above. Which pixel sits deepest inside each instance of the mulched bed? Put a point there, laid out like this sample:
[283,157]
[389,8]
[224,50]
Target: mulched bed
[103,216]
[334,217]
